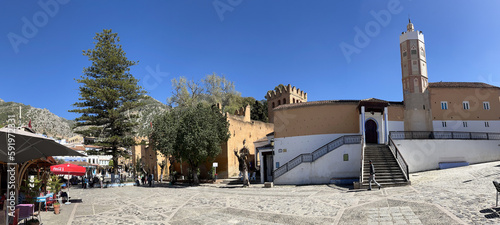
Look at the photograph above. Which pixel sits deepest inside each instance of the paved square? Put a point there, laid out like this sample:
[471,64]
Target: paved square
[463,195]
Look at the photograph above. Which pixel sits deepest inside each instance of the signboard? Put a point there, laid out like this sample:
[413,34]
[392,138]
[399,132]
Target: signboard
[215,164]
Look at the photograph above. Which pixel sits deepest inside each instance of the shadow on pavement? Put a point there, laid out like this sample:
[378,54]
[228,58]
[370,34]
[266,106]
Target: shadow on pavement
[492,213]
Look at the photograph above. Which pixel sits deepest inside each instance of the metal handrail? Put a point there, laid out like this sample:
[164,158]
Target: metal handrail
[399,158]
[401,135]
[316,154]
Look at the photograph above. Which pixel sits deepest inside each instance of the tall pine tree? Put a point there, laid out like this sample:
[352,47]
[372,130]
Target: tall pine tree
[107,93]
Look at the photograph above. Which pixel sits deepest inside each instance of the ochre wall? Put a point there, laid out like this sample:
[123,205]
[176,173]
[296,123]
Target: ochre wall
[455,97]
[327,118]
[240,130]
[396,112]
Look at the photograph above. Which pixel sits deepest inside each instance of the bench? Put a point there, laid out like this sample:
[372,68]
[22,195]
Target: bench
[497,186]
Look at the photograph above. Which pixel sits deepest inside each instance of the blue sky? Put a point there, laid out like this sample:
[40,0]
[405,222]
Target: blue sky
[257,44]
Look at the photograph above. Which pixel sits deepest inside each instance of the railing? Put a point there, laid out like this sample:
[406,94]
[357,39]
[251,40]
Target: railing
[401,135]
[399,158]
[318,153]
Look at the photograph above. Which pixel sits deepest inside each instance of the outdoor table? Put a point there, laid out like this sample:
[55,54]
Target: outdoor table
[25,211]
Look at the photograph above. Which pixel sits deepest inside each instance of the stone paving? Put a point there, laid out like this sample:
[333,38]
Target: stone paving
[462,195]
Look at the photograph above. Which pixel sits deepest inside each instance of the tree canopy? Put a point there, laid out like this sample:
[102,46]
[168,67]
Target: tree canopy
[211,90]
[107,92]
[192,134]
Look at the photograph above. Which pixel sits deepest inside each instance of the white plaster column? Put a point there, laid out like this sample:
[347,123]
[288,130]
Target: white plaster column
[386,126]
[261,168]
[363,123]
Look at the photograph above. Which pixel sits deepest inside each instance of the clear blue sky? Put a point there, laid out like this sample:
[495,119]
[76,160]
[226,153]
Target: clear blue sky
[256,44]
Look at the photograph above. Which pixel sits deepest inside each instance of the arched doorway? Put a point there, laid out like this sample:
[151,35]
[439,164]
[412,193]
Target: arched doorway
[371,132]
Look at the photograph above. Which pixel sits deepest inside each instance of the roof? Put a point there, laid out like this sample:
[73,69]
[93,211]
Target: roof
[78,148]
[460,85]
[332,102]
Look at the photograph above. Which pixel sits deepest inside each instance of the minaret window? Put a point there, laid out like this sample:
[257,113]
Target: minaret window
[466,105]
[413,52]
[486,105]
[444,105]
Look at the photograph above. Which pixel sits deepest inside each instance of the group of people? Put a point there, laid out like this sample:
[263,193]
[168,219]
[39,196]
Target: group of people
[145,178]
[88,182]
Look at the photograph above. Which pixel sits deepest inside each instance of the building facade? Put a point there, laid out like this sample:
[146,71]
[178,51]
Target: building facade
[301,128]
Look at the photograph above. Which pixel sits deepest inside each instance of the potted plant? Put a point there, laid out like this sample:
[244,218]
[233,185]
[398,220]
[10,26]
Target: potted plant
[55,185]
[33,221]
[57,207]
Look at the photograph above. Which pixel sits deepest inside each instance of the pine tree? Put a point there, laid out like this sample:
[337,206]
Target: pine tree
[107,93]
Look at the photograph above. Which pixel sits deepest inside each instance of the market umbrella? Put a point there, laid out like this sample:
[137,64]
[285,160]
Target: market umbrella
[68,169]
[28,146]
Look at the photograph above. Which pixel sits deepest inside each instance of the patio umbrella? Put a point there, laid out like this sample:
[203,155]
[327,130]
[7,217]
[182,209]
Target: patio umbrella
[30,146]
[68,169]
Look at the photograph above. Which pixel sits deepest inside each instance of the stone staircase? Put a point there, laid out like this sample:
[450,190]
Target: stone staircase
[388,173]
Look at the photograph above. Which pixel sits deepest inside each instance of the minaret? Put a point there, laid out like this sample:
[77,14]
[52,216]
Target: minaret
[417,111]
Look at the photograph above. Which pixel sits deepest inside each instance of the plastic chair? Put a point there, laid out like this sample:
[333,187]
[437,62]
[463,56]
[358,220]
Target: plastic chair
[50,201]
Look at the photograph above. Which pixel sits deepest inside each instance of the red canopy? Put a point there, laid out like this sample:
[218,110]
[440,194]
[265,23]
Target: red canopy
[68,169]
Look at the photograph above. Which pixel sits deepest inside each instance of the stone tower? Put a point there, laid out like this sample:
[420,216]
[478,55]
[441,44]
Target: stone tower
[417,110]
[283,95]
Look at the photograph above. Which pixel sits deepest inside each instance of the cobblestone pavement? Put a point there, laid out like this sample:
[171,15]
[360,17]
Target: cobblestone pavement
[463,195]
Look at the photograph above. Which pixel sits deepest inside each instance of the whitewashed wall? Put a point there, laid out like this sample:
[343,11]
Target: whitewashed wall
[472,126]
[424,155]
[396,126]
[287,148]
[325,168]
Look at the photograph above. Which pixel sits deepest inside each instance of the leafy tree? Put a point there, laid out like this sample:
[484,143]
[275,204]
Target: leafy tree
[259,111]
[192,134]
[107,93]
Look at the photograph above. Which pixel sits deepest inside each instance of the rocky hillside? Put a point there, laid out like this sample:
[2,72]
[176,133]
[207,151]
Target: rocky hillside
[43,121]
[147,114]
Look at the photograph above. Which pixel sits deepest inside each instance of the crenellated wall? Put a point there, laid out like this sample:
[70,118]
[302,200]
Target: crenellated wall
[283,95]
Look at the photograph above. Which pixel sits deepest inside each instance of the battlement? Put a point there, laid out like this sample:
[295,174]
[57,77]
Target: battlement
[281,90]
[245,112]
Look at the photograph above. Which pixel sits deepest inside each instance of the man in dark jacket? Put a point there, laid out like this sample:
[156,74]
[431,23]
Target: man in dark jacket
[372,176]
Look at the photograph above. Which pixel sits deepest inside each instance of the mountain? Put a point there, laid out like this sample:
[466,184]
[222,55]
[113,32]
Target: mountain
[147,114]
[43,121]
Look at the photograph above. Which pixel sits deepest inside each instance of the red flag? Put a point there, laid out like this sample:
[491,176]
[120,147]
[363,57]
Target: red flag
[29,125]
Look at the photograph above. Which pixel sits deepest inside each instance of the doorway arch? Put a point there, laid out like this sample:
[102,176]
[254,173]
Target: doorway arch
[371,132]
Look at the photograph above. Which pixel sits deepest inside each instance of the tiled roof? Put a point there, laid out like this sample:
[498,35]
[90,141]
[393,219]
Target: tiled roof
[460,85]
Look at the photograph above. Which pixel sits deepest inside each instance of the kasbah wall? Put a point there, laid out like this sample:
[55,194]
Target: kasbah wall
[241,128]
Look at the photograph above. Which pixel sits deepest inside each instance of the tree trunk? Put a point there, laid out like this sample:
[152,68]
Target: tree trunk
[246,182]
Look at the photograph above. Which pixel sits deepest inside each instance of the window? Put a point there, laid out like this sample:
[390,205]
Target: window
[443,123]
[277,164]
[486,105]
[346,157]
[486,124]
[284,101]
[404,54]
[413,52]
[444,105]
[273,104]
[466,105]
[279,102]
[465,124]
[293,100]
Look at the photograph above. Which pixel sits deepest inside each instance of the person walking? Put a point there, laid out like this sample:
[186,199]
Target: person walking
[150,178]
[372,177]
